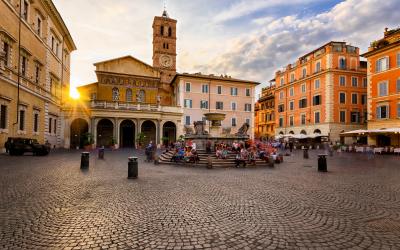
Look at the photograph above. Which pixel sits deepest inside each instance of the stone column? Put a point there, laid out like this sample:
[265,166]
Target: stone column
[93,130]
[158,130]
[137,127]
[116,131]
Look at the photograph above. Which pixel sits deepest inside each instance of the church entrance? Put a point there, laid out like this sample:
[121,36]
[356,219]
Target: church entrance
[149,130]
[79,127]
[127,134]
[169,133]
[105,133]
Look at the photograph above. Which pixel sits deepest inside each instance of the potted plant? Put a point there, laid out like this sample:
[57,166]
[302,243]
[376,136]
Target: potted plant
[114,143]
[140,139]
[165,141]
[88,141]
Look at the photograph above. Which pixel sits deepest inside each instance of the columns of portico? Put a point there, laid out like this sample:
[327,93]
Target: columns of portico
[138,129]
[158,130]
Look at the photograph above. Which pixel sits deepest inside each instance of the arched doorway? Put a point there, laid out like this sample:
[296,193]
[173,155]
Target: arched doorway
[169,133]
[149,131]
[317,131]
[79,127]
[291,133]
[303,132]
[105,133]
[127,134]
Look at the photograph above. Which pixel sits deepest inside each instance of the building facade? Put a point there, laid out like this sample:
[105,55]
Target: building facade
[384,87]
[131,102]
[199,94]
[265,114]
[35,48]
[323,92]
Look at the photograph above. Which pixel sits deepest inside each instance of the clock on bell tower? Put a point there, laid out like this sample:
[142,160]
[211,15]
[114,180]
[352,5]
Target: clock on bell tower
[164,46]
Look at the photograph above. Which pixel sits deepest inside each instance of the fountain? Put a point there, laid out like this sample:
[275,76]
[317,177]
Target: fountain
[216,133]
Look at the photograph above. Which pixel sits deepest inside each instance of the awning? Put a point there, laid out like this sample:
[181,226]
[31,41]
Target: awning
[371,131]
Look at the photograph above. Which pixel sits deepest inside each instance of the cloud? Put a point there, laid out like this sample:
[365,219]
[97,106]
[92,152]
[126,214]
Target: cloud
[260,53]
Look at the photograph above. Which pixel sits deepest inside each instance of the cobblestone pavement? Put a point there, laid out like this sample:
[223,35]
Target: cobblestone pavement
[49,203]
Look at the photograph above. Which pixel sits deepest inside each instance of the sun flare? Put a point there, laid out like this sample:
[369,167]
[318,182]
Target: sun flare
[74,94]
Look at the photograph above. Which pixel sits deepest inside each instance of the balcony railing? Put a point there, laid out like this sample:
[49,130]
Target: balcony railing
[133,106]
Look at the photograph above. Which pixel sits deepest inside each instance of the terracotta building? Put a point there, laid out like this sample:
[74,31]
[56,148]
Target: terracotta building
[264,116]
[131,102]
[384,88]
[35,48]
[199,94]
[323,92]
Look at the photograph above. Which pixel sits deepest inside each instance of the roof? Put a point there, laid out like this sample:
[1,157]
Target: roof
[124,57]
[213,77]
[378,50]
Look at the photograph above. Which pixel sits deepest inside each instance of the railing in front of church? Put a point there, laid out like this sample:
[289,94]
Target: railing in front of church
[95,104]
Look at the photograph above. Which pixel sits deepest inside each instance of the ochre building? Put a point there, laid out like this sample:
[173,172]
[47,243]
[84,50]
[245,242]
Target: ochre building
[35,48]
[131,103]
[384,88]
[324,92]
[265,114]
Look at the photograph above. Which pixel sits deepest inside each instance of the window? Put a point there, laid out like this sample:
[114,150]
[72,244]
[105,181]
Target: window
[281,95]
[234,91]
[247,92]
[6,50]
[304,72]
[291,121]
[3,117]
[303,103]
[316,117]
[318,67]
[354,81]
[398,110]
[247,107]
[25,9]
[398,85]
[354,98]
[204,104]
[22,120]
[37,73]
[219,105]
[303,119]
[291,91]
[382,64]
[342,98]
[169,31]
[383,89]
[355,117]
[382,112]
[188,103]
[363,99]
[282,81]
[398,59]
[128,95]
[187,86]
[303,88]
[316,84]
[55,126]
[24,65]
[93,96]
[39,26]
[342,63]
[204,88]
[291,105]
[342,116]
[280,121]
[115,94]
[162,30]
[292,77]
[233,105]
[36,122]
[248,121]
[53,40]
[342,80]
[281,108]
[317,100]
[187,120]
[233,122]
[219,90]
[365,82]
[50,124]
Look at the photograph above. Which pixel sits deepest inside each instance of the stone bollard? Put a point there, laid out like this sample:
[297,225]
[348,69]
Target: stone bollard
[101,153]
[305,153]
[85,160]
[322,165]
[271,162]
[132,167]
[209,162]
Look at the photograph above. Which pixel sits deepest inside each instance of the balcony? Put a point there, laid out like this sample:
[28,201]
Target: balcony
[134,106]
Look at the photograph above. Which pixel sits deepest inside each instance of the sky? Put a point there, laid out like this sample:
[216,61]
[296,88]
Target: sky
[246,39]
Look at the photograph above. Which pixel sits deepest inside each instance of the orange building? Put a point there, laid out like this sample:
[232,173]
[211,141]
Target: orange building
[323,92]
[264,121]
[384,88]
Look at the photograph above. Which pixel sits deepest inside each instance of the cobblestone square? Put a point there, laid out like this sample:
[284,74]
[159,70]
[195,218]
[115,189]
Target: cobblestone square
[49,203]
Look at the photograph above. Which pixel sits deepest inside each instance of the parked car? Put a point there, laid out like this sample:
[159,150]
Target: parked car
[19,146]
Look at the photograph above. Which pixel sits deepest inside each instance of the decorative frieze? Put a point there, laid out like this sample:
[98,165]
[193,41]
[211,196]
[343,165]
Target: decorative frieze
[128,81]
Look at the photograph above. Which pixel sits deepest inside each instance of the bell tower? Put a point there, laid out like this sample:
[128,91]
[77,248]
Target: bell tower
[164,47]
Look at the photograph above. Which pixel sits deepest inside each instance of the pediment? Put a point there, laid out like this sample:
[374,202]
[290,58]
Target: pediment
[127,65]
